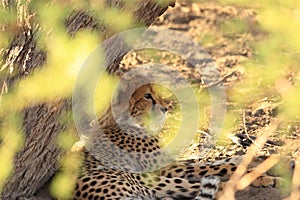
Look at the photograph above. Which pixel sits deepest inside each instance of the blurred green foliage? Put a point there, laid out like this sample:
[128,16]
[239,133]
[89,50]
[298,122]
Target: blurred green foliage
[11,140]
[65,57]
[275,55]
[274,69]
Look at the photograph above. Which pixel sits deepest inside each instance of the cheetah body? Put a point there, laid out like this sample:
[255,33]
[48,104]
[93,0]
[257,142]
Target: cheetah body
[124,161]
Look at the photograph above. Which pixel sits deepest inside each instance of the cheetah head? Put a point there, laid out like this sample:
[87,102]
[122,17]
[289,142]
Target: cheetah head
[146,107]
[135,100]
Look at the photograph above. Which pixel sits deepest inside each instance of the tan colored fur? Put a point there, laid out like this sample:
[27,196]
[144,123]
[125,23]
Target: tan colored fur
[139,106]
[108,170]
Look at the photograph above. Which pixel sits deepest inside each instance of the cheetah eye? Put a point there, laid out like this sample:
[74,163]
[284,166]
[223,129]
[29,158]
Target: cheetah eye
[148,96]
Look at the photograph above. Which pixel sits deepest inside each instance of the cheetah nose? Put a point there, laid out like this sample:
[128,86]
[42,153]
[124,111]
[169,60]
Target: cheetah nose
[163,109]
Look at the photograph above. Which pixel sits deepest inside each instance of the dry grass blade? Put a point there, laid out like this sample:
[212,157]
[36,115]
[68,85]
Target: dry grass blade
[247,179]
[236,178]
[220,80]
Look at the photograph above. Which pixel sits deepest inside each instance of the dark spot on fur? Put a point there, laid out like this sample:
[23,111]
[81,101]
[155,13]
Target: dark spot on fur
[105,191]
[169,192]
[223,172]
[203,173]
[233,168]
[91,190]
[112,187]
[202,167]
[84,187]
[86,179]
[196,186]
[190,171]
[98,190]
[162,185]
[178,170]
[183,190]
[145,175]
[178,181]
[104,182]
[100,177]
[206,196]
[78,193]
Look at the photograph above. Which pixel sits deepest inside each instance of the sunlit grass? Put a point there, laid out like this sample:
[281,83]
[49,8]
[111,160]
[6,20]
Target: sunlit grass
[208,40]
[234,26]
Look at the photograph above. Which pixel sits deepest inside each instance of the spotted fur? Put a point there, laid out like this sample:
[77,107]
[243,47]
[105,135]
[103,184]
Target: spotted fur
[123,161]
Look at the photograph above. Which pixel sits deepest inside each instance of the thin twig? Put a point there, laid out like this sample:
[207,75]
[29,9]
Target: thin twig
[219,81]
[247,179]
[203,132]
[234,180]
[3,91]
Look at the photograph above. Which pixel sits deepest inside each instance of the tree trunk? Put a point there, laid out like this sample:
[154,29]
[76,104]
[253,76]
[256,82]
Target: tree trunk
[38,160]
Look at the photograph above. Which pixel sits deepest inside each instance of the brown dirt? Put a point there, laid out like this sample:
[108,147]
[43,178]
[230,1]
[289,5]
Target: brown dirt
[206,24]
